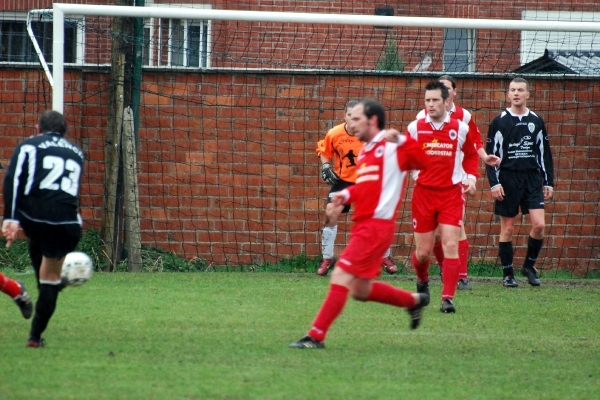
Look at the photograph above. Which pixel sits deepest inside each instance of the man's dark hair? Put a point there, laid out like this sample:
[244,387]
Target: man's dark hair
[449,79]
[53,121]
[435,85]
[372,107]
[350,104]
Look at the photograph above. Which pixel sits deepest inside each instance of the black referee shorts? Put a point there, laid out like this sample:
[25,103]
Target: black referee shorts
[522,189]
[54,241]
[341,185]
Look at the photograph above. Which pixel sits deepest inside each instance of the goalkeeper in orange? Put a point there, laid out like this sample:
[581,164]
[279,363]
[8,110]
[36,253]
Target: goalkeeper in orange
[338,153]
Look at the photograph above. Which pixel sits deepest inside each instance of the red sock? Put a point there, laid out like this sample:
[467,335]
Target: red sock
[388,294]
[330,309]
[450,277]
[438,252]
[463,256]
[421,268]
[9,286]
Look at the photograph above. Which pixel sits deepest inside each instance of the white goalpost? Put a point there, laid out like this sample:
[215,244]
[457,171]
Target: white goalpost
[60,10]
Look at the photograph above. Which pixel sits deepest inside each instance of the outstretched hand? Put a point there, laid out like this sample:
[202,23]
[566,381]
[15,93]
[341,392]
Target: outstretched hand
[10,229]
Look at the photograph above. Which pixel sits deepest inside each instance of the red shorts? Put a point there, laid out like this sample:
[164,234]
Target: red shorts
[431,207]
[369,241]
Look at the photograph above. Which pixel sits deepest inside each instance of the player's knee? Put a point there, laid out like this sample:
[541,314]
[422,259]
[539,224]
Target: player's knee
[360,296]
[450,247]
[360,290]
[538,228]
[508,230]
[331,218]
[331,222]
[422,256]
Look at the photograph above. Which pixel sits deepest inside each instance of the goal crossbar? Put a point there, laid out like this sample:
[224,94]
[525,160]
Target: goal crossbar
[61,9]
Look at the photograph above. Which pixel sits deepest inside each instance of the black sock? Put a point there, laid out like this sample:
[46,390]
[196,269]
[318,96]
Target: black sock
[35,253]
[505,252]
[533,250]
[44,308]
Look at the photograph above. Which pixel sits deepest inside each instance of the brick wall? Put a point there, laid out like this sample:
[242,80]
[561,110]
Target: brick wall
[228,172]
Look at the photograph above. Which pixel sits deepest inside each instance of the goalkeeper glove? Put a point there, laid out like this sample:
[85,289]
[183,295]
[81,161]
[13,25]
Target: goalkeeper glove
[328,174]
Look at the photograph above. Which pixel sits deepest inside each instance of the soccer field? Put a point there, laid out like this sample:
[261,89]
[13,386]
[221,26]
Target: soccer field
[225,336]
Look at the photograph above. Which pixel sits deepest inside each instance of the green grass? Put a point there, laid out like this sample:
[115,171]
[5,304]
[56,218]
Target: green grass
[225,336]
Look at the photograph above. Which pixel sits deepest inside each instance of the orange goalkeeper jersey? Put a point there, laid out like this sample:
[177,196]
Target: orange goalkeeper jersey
[342,149]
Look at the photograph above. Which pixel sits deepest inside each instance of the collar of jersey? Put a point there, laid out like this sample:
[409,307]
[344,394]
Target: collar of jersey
[52,134]
[518,115]
[446,118]
[376,139]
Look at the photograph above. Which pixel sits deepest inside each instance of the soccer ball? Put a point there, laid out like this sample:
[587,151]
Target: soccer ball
[77,268]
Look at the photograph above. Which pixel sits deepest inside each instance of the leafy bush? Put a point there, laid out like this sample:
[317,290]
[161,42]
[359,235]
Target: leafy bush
[153,259]
[16,257]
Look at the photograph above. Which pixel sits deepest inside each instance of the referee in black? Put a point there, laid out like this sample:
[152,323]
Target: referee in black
[524,179]
[41,195]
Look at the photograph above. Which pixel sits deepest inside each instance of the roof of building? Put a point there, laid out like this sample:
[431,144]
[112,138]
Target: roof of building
[564,62]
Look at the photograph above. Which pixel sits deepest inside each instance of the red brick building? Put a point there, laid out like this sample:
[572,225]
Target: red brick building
[227,169]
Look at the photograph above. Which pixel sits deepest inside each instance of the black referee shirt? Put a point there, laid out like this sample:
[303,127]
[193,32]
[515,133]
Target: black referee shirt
[522,144]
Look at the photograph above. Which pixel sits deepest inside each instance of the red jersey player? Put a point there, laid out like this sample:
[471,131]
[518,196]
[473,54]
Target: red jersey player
[438,194]
[462,115]
[382,169]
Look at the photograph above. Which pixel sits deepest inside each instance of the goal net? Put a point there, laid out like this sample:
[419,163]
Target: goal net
[229,105]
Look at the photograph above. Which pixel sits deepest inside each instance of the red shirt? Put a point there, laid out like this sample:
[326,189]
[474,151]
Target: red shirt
[382,171]
[465,116]
[445,144]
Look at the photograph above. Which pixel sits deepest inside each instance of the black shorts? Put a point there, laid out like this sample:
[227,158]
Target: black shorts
[54,241]
[341,185]
[522,189]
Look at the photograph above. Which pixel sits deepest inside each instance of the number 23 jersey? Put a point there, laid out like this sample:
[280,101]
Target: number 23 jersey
[42,181]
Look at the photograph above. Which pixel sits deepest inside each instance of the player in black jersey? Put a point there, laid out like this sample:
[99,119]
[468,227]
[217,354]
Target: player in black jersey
[41,195]
[525,177]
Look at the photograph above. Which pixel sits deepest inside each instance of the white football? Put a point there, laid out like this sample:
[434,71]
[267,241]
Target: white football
[77,268]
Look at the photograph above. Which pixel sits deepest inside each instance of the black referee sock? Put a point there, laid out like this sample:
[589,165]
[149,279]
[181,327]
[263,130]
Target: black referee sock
[44,308]
[533,250]
[505,252]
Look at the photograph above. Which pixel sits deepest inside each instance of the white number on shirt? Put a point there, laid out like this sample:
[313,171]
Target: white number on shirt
[57,167]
